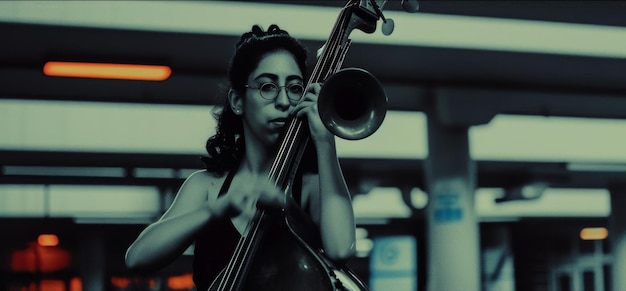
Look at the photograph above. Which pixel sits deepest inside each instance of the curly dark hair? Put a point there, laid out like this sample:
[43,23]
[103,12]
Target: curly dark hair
[226,147]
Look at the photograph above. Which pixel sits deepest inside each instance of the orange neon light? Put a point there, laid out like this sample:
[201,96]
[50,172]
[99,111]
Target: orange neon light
[48,240]
[120,282]
[37,258]
[594,233]
[52,285]
[107,71]
[76,284]
[181,282]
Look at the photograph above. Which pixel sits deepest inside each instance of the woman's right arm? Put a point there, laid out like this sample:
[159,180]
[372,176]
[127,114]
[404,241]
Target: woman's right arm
[166,239]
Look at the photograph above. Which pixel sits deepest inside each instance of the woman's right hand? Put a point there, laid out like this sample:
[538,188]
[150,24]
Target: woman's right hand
[248,196]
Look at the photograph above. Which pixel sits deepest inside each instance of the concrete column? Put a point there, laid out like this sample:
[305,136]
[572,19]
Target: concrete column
[497,258]
[93,261]
[617,235]
[453,249]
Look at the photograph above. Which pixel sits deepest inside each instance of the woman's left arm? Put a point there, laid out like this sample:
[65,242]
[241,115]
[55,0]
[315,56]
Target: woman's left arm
[336,216]
[330,201]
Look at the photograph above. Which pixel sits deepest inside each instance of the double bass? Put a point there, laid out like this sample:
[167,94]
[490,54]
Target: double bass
[278,250]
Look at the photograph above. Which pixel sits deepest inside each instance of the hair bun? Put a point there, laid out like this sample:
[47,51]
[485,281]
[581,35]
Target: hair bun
[257,32]
[274,29]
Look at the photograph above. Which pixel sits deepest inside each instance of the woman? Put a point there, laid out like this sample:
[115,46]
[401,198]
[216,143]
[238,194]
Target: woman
[213,206]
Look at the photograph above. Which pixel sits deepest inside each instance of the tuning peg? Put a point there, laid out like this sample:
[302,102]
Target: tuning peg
[388,26]
[410,5]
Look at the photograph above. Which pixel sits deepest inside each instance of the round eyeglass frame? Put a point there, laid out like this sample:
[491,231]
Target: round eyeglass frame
[273,93]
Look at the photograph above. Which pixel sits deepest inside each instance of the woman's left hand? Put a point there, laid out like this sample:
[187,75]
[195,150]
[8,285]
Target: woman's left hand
[308,108]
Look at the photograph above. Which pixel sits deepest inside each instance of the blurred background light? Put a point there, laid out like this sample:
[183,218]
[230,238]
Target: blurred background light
[48,240]
[594,233]
[107,71]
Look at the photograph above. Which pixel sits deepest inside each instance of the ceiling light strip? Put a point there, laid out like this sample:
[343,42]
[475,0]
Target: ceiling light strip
[107,71]
[416,29]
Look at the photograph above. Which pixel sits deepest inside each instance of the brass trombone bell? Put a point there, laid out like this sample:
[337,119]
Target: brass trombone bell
[352,103]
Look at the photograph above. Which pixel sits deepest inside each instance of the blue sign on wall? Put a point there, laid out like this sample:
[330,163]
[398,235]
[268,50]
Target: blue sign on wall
[393,264]
[447,208]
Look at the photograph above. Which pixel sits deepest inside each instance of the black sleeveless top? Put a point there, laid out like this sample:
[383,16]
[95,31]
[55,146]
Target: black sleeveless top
[214,246]
[216,241]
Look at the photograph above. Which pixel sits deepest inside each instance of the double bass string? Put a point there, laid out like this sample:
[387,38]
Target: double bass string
[289,152]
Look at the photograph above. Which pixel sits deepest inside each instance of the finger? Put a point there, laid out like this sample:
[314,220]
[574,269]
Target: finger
[302,108]
[223,207]
[310,96]
[246,203]
[243,202]
[305,111]
[315,88]
[311,92]
[251,203]
[236,206]
[272,197]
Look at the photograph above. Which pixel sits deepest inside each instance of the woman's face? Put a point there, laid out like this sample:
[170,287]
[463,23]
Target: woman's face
[262,118]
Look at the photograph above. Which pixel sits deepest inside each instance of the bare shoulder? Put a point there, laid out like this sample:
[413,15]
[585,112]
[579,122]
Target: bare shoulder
[203,177]
[200,186]
[203,180]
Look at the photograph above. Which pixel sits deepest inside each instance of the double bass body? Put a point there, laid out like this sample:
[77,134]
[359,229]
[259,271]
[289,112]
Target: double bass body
[288,256]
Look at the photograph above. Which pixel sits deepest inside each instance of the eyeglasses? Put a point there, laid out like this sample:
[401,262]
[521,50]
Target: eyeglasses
[270,91]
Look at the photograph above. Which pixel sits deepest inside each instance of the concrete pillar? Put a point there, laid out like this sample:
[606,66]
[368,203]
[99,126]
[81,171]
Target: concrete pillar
[93,261]
[453,249]
[497,258]
[617,235]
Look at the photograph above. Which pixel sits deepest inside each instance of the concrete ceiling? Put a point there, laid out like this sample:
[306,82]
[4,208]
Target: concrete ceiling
[471,83]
